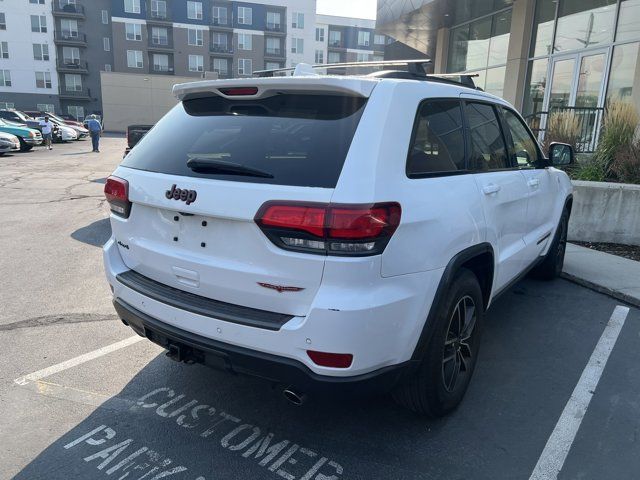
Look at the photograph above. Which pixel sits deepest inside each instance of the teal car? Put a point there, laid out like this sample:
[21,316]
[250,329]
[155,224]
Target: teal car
[29,137]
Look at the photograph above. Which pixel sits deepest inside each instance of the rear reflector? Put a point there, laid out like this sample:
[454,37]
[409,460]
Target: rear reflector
[327,229]
[334,360]
[236,91]
[116,191]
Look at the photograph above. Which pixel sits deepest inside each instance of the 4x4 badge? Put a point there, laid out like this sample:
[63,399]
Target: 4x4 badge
[183,194]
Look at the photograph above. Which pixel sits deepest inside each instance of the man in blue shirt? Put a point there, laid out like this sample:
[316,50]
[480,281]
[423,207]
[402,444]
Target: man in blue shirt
[95,129]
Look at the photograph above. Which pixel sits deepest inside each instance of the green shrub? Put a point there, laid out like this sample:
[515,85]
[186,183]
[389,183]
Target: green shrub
[626,164]
[564,127]
[618,129]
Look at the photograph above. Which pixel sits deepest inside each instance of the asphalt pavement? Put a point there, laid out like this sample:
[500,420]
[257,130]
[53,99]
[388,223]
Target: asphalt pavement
[81,397]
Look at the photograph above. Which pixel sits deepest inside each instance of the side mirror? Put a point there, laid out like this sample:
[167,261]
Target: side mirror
[560,154]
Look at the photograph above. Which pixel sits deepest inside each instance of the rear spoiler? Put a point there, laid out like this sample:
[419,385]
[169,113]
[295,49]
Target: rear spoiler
[267,87]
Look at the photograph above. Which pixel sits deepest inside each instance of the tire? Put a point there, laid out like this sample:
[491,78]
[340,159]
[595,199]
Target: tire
[551,266]
[23,145]
[445,371]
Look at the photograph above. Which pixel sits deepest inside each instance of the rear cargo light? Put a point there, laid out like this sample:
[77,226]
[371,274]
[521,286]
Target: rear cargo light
[236,91]
[334,360]
[326,229]
[116,190]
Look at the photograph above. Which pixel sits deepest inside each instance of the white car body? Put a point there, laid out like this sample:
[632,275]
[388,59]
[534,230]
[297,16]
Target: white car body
[373,307]
[68,133]
[8,143]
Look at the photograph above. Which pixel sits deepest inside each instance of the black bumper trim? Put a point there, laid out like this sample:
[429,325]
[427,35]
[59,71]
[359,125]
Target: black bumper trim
[234,359]
[200,305]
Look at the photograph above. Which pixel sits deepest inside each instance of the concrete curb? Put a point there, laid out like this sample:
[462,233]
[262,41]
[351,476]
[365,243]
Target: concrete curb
[623,297]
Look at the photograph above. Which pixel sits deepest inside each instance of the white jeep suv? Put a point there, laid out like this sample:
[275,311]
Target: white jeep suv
[333,233]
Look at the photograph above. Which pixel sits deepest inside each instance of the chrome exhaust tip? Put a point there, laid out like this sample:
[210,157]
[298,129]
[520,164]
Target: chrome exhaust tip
[294,397]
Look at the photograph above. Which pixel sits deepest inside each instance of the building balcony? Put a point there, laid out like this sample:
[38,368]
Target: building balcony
[162,70]
[220,49]
[277,53]
[275,28]
[68,10]
[72,66]
[163,45]
[63,37]
[74,94]
[337,44]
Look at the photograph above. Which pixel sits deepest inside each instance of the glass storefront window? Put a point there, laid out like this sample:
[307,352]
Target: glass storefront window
[466,10]
[494,82]
[541,43]
[625,68]
[534,95]
[628,21]
[480,44]
[590,80]
[584,23]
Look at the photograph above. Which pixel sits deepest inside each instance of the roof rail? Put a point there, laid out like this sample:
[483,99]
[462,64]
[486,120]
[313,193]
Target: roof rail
[415,66]
[415,70]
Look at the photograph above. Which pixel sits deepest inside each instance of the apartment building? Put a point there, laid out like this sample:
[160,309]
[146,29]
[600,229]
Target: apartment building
[344,39]
[28,75]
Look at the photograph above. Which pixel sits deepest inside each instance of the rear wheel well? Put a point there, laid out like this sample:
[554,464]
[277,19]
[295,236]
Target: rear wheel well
[482,267]
[568,204]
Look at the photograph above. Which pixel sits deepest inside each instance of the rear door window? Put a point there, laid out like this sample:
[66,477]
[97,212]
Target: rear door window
[299,140]
[487,146]
[437,146]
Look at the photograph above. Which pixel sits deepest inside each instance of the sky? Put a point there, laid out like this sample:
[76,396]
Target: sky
[347,8]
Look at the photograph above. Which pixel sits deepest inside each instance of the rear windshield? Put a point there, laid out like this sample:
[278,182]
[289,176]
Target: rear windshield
[299,140]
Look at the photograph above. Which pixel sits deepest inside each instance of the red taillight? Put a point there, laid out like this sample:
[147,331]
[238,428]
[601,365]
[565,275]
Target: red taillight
[330,229]
[116,191]
[237,91]
[334,360]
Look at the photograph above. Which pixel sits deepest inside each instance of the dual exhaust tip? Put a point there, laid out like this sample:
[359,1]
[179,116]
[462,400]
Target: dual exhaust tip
[294,396]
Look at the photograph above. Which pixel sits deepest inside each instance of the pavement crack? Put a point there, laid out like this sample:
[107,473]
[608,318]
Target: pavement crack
[63,318]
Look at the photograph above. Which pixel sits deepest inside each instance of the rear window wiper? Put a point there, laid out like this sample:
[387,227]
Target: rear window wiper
[208,165]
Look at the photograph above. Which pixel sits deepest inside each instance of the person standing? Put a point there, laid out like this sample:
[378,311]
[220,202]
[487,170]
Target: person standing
[47,128]
[95,129]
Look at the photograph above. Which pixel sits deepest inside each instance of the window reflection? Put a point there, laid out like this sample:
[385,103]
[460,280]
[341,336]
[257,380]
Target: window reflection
[584,23]
[629,21]
[543,28]
[534,96]
[625,67]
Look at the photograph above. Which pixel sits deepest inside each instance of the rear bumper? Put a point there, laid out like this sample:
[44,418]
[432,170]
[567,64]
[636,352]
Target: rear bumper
[238,360]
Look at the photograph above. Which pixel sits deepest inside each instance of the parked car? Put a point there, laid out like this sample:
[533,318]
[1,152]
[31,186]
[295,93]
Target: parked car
[134,135]
[8,143]
[28,137]
[70,118]
[17,116]
[323,233]
[64,133]
[58,120]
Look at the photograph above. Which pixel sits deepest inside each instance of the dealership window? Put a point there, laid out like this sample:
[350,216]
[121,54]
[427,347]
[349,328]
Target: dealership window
[195,36]
[245,41]
[71,55]
[273,45]
[584,23]
[158,8]
[297,45]
[133,31]
[76,112]
[38,23]
[72,82]
[106,44]
[194,10]
[319,34]
[5,78]
[4,50]
[364,38]
[132,6]
[335,38]
[196,63]
[534,93]
[297,20]
[46,107]
[319,56]
[624,67]
[629,21]
[221,66]
[245,16]
[41,51]
[3,21]
[160,62]
[245,66]
[134,59]
[219,15]
[105,17]
[465,10]
[43,80]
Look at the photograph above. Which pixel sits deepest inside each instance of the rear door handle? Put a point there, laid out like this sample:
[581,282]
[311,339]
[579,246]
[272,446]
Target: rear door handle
[534,183]
[491,188]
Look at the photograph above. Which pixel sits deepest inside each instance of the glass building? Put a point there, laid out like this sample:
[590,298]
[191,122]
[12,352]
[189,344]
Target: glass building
[541,55]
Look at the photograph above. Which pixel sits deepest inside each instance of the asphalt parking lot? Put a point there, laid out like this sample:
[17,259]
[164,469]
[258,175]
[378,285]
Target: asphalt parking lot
[82,398]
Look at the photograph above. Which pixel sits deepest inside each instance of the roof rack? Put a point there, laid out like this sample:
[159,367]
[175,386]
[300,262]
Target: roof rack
[415,70]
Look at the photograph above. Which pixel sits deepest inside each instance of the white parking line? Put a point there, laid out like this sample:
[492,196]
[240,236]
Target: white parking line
[557,448]
[45,372]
